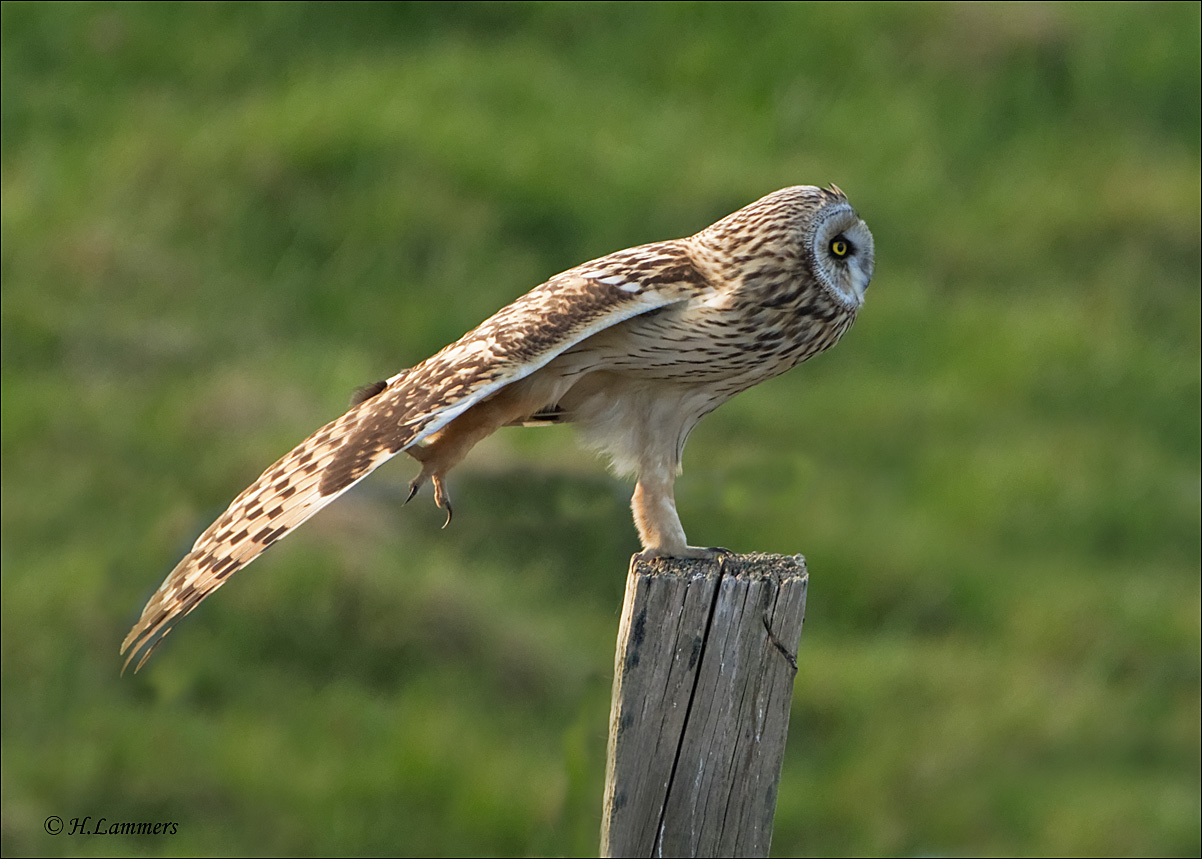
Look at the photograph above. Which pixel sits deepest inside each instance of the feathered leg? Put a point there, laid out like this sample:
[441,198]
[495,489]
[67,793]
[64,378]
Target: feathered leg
[446,448]
[655,516]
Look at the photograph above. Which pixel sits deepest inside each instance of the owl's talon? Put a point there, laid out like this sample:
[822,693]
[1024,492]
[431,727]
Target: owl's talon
[695,552]
[441,497]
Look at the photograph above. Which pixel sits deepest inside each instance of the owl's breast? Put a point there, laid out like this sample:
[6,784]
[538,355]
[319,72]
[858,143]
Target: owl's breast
[728,348]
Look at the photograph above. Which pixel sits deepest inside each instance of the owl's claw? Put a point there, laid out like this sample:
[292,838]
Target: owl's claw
[442,498]
[707,554]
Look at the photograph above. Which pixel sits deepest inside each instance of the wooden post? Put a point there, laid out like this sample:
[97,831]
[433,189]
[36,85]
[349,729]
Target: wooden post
[703,679]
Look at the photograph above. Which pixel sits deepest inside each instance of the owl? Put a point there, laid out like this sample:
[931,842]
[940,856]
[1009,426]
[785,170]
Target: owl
[633,348]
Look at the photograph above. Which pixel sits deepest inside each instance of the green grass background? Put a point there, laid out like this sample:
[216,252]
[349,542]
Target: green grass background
[219,219]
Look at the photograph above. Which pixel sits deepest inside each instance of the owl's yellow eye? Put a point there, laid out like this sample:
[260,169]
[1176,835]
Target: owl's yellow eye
[840,247]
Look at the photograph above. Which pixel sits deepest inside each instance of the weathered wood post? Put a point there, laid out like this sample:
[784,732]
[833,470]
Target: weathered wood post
[703,680]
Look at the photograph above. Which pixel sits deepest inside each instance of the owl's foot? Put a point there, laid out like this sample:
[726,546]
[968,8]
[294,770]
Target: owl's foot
[658,524]
[699,552]
[443,450]
[441,497]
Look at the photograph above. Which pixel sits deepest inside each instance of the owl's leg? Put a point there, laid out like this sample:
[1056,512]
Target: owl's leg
[443,450]
[658,523]
[642,425]
[433,471]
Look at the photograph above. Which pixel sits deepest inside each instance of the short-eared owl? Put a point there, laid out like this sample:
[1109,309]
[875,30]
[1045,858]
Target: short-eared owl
[634,348]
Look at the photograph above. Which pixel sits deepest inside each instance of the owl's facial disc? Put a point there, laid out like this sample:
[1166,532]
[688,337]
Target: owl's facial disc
[840,245]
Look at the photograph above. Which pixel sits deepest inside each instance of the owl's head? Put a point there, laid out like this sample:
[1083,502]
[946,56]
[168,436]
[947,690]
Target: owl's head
[785,245]
[837,245]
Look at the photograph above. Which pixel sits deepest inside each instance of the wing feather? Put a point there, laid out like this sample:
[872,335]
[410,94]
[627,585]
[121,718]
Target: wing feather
[505,348]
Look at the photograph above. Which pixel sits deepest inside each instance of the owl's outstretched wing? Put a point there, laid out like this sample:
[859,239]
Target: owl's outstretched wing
[392,416]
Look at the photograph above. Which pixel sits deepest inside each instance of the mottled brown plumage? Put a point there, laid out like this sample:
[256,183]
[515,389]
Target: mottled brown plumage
[634,348]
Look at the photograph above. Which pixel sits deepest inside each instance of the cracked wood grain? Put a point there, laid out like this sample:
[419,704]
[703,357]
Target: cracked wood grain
[703,681]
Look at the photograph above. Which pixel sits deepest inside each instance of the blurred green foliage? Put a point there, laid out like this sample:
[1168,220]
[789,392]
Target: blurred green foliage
[218,219]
